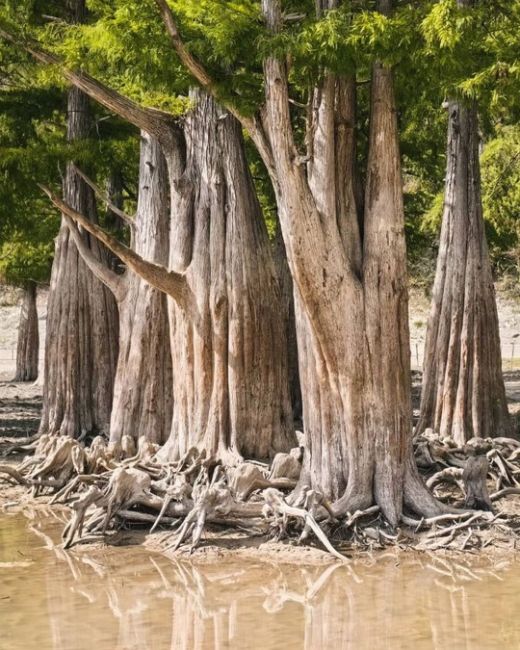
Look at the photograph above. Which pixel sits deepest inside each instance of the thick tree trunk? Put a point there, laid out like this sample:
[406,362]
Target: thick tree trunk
[228,338]
[28,346]
[351,295]
[230,358]
[463,388]
[82,331]
[229,352]
[288,314]
[143,387]
[331,148]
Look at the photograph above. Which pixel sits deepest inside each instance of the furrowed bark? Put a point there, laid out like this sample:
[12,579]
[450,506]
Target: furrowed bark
[386,302]
[352,324]
[463,388]
[287,293]
[142,405]
[143,393]
[230,385]
[81,344]
[230,378]
[99,268]
[27,349]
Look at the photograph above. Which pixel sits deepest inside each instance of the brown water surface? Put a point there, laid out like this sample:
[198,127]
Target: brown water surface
[128,598]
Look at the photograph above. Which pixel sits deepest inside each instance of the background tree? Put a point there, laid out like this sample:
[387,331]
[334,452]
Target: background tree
[463,389]
[30,131]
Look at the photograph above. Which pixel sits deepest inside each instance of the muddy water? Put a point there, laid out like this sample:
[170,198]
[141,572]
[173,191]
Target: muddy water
[127,598]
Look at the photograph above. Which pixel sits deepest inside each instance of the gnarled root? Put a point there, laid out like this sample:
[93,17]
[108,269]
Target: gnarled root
[276,505]
[475,476]
[15,475]
[213,498]
[446,475]
[248,478]
[79,509]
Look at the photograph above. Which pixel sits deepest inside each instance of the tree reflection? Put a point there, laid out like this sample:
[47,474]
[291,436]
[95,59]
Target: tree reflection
[126,598]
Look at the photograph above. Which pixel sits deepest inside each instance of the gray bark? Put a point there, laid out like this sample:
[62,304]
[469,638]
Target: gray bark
[351,295]
[463,388]
[27,349]
[142,405]
[81,343]
[143,388]
[289,318]
[230,359]
[230,384]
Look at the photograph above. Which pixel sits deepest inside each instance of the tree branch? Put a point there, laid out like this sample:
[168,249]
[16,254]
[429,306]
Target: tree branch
[174,284]
[112,280]
[194,67]
[277,111]
[130,221]
[252,125]
[153,121]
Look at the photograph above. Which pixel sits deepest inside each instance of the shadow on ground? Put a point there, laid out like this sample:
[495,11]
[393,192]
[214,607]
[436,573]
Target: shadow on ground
[20,409]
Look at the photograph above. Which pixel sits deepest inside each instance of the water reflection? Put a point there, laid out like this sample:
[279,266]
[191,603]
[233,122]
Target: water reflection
[127,598]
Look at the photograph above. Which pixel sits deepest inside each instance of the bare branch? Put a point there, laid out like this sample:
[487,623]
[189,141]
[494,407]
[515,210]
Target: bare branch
[105,198]
[252,125]
[112,280]
[174,284]
[153,121]
[194,67]
[277,112]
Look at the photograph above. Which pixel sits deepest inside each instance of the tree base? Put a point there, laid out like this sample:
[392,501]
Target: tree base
[197,492]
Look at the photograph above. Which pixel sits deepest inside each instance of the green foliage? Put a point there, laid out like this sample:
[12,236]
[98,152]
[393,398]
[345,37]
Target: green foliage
[478,50]
[500,164]
[437,48]
[500,170]
[33,149]
[31,135]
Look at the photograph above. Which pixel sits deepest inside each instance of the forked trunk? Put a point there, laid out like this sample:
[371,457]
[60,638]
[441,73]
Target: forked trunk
[333,406]
[28,346]
[81,343]
[351,293]
[229,355]
[463,388]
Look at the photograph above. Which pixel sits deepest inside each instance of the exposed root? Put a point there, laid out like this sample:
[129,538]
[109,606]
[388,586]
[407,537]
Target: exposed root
[275,505]
[15,475]
[111,486]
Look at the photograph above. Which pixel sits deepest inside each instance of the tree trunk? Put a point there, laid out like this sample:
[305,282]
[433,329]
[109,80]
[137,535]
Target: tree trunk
[351,292]
[287,305]
[82,331]
[230,381]
[463,389]
[143,387]
[229,353]
[142,405]
[28,346]
[228,339]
